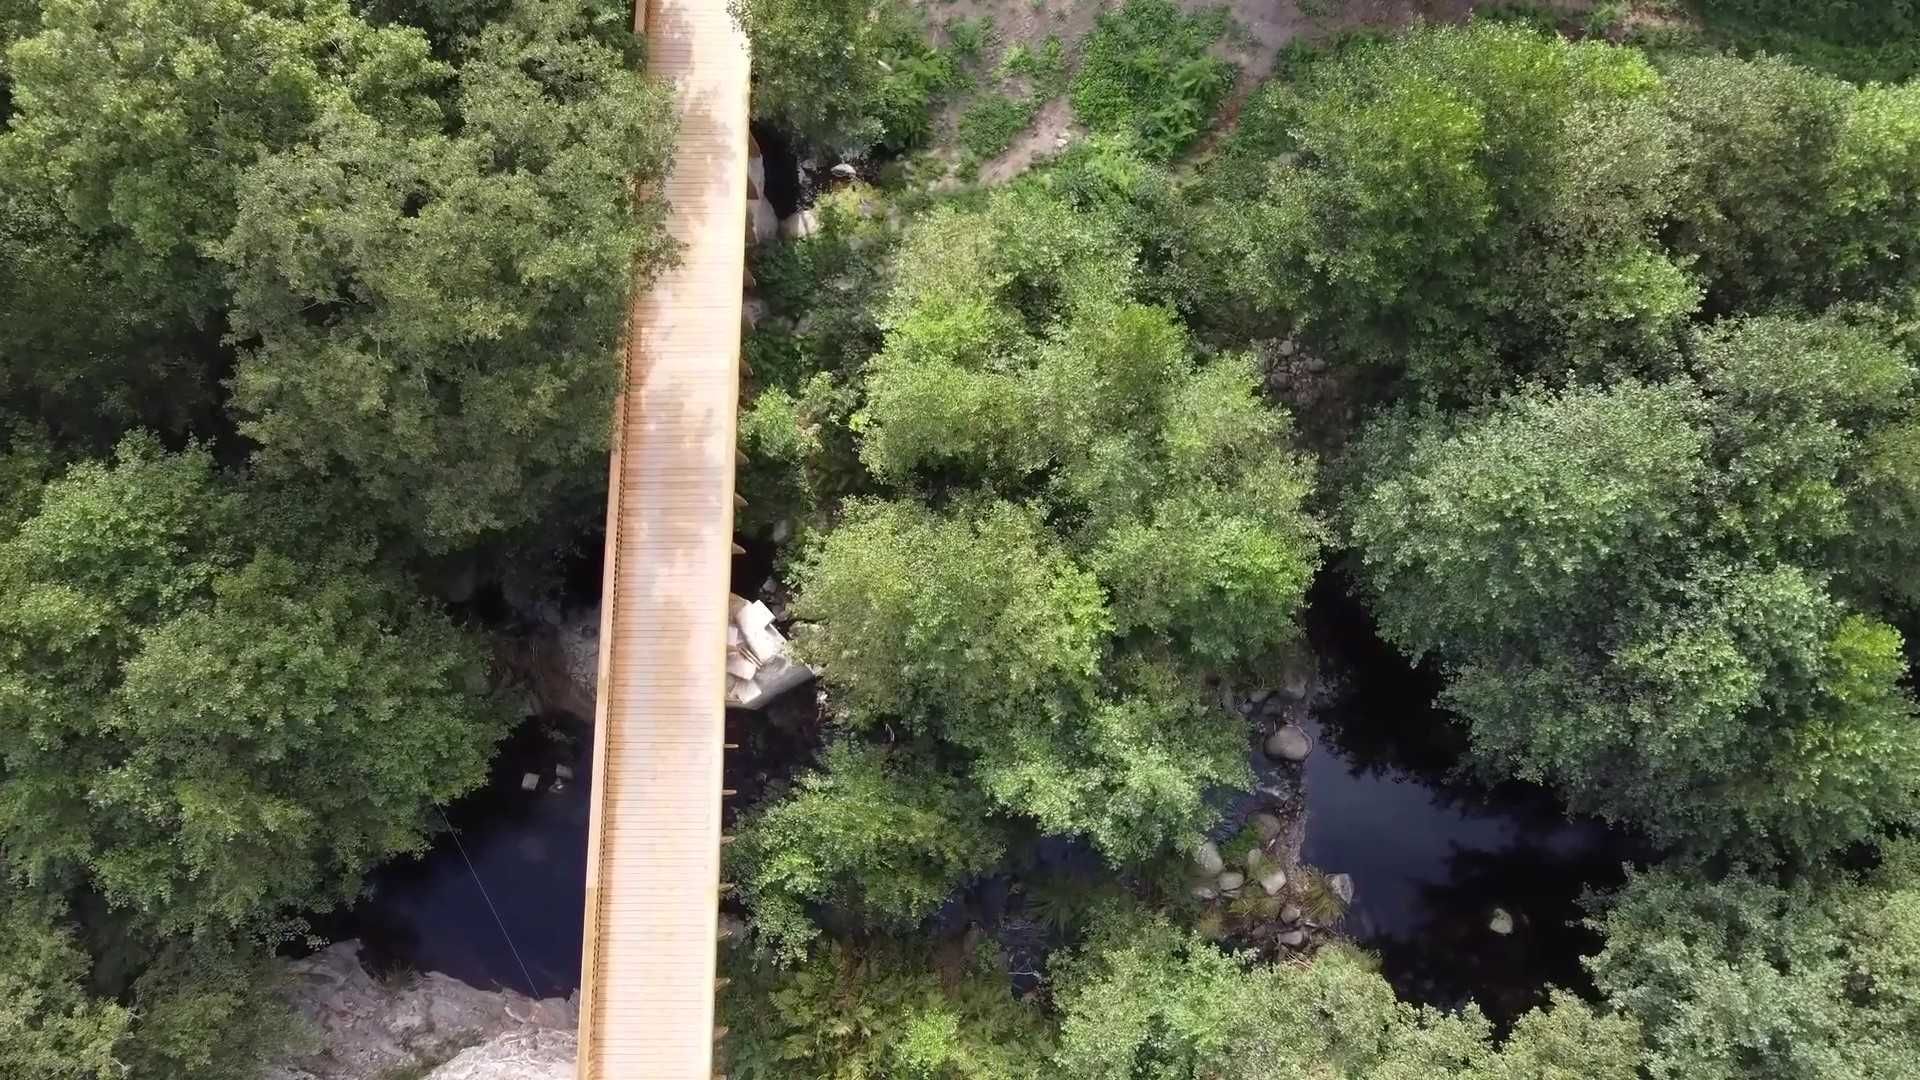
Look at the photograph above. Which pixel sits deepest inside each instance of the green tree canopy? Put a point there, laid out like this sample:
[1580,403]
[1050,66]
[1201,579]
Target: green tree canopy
[1742,979]
[436,313]
[1142,1000]
[1119,518]
[881,833]
[1795,186]
[1458,204]
[202,729]
[1635,587]
[140,116]
[845,74]
[884,1008]
[50,1027]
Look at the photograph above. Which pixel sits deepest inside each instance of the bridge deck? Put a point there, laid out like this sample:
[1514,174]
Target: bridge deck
[654,840]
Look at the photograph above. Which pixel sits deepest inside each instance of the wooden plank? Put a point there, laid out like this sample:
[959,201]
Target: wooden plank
[647,973]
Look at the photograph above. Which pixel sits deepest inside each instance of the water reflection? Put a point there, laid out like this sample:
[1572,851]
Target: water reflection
[528,849]
[1435,856]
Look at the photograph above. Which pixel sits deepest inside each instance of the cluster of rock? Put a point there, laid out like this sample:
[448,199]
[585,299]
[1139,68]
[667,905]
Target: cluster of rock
[759,668]
[1287,366]
[1275,916]
[1262,866]
[1265,896]
[357,1027]
[557,664]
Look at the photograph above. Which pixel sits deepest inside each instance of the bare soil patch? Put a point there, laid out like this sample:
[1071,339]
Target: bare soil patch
[1260,30]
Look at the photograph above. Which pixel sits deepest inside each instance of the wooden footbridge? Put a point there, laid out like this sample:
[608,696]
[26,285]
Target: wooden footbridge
[653,849]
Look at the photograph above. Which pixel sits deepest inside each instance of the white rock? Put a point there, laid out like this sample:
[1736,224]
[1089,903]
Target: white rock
[799,226]
[361,1027]
[1297,688]
[530,782]
[845,171]
[762,220]
[521,1055]
[1231,880]
[1501,923]
[1291,913]
[1293,939]
[1254,858]
[1341,885]
[1289,743]
[752,615]
[752,311]
[1205,892]
[1207,858]
[1274,881]
[756,167]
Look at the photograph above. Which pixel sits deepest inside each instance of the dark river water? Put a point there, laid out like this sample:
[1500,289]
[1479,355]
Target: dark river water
[1435,857]
[529,852]
[1432,857]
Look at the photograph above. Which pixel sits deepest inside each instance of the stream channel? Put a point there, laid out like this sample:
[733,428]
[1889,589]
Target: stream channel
[1434,858]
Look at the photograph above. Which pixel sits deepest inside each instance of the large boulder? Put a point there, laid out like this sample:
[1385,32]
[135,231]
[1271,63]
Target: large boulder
[361,1028]
[520,1055]
[1290,743]
[1341,885]
[559,662]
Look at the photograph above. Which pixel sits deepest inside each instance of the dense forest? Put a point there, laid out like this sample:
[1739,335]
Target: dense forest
[1581,343]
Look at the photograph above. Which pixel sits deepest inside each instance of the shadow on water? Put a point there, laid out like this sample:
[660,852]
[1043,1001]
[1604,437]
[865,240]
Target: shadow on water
[528,849]
[1435,856]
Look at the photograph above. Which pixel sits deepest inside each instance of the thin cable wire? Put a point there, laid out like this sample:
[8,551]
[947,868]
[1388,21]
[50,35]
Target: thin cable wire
[531,990]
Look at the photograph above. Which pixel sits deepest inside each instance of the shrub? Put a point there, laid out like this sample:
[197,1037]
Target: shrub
[1146,70]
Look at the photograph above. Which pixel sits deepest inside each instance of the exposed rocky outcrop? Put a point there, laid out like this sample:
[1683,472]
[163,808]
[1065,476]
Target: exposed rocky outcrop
[1289,743]
[363,1028]
[520,1055]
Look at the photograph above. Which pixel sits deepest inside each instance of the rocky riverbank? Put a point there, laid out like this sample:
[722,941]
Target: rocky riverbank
[358,1027]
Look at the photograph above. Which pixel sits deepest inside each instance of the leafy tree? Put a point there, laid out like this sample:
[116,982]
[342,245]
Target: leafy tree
[79,353]
[1797,187]
[1861,40]
[1497,530]
[1119,520]
[1743,979]
[50,1028]
[882,834]
[979,615]
[139,116]
[881,1009]
[435,313]
[207,1007]
[845,74]
[209,732]
[1632,587]
[1141,1000]
[977,628]
[1458,204]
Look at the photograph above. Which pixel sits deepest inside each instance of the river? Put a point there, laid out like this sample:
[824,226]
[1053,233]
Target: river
[1436,858]
[1433,858]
